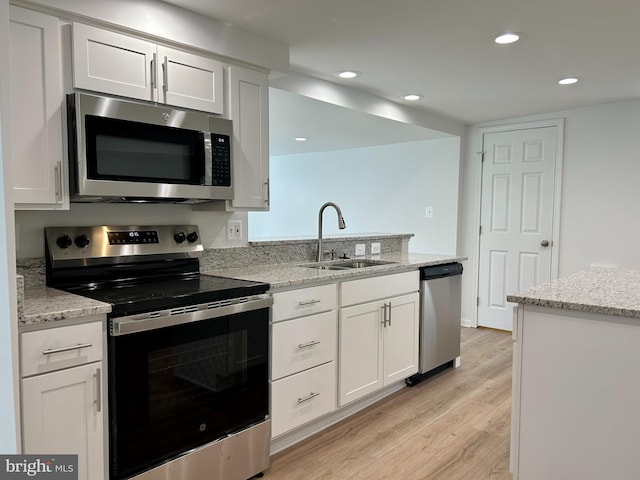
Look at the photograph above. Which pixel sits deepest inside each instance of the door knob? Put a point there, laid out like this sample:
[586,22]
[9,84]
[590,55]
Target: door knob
[544,243]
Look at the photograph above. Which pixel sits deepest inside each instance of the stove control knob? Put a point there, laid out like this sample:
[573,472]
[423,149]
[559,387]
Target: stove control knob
[179,237]
[82,241]
[192,237]
[64,241]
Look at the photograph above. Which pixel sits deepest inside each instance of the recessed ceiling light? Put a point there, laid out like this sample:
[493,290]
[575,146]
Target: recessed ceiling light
[568,80]
[348,74]
[301,139]
[412,97]
[507,38]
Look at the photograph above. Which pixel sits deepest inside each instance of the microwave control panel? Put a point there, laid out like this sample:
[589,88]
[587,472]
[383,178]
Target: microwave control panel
[221,160]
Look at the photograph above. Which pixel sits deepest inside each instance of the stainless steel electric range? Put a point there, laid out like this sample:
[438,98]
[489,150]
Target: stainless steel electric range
[187,353]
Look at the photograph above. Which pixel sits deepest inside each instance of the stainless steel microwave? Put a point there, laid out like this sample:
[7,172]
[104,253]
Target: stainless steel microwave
[123,151]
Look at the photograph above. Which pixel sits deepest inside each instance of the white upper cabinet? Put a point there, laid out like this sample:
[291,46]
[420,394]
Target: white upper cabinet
[190,81]
[36,111]
[249,110]
[109,62]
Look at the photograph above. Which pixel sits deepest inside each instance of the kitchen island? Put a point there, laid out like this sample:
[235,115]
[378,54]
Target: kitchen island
[575,386]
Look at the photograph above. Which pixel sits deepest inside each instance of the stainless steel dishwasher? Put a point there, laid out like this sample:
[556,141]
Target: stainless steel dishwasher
[440,298]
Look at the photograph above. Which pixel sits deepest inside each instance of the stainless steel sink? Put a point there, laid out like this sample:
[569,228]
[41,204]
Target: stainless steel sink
[347,264]
[362,263]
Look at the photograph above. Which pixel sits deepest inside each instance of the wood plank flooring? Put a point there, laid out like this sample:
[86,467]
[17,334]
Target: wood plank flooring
[453,426]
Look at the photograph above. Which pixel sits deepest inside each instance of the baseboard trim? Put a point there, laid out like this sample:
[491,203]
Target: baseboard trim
[466,322]
[307,430]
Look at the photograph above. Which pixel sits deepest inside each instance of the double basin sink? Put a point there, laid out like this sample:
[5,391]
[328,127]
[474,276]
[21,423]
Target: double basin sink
[347,264]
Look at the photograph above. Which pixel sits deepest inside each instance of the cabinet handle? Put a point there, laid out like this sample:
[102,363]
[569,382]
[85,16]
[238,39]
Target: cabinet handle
[98,377]
[308,397]
[58,174]
[266,199]
[67,349]
[308,344]
[308,302]
[386,314]
[154,72]
[165,77]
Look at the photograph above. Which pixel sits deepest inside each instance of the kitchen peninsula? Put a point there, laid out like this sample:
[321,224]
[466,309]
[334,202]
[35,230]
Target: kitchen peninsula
[575,386]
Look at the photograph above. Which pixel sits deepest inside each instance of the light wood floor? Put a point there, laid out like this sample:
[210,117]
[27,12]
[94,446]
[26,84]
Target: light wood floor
[453,426]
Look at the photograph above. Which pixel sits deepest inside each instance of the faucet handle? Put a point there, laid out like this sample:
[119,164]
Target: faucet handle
[331,252]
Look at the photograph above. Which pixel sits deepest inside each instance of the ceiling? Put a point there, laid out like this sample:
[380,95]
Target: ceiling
[444,49]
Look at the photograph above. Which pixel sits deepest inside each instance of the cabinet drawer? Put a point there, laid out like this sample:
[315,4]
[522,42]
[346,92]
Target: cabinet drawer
[305,301]
[300,398]
[375,288]
[63,347]
[303,343]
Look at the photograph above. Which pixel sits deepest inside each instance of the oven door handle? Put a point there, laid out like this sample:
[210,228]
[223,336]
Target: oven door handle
[180,315]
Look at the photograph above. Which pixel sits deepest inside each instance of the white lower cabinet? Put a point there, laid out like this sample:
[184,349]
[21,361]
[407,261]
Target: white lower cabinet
[63,409]
[324,357]
[303,358]
[62,414]
[378,340]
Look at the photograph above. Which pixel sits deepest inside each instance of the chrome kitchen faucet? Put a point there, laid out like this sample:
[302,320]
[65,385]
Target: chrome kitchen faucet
[341,226]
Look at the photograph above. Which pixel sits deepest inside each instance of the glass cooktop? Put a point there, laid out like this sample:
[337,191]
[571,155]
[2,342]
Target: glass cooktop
[147,296]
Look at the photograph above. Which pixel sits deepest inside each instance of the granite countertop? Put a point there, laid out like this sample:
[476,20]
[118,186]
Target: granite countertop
[291,275]
[609,291]
[43,304]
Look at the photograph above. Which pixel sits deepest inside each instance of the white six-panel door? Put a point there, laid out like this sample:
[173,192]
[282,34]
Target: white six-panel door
[518,191]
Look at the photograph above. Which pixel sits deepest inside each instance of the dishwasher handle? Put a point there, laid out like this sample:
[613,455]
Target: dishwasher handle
[439,271]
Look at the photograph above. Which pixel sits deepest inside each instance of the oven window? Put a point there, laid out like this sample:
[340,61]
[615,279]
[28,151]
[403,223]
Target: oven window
[138,152]
[176,388]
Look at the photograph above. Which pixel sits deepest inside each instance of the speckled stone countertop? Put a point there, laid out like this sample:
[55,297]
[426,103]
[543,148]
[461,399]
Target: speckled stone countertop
[292,275]
[43,304]
[609,291]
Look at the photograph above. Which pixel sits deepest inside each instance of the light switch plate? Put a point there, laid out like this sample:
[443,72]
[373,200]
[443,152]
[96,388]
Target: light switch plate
[375,248]
[360,249]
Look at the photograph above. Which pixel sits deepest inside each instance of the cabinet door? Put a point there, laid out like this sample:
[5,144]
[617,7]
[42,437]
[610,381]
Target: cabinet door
[37,101]
[360,333]
[109,62]
[249,110]
[62,414]
[400,338]
[190,81]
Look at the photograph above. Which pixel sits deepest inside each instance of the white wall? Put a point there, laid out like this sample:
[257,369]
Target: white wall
[600,193]
[8,310]
[379,189]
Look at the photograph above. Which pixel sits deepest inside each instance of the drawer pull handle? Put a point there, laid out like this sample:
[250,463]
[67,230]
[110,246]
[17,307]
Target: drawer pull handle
[308,344]
[67,349]
[308,302]
[308,397]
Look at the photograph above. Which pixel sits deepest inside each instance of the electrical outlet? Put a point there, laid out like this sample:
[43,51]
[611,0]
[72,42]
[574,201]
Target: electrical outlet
[375,248]
[428,212]
[360,249]
[234,230]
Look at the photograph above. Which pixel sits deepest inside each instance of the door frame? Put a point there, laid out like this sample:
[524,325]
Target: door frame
[557,195]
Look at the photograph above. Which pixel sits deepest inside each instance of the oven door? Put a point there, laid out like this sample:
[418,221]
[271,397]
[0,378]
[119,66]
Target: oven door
[175,388]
